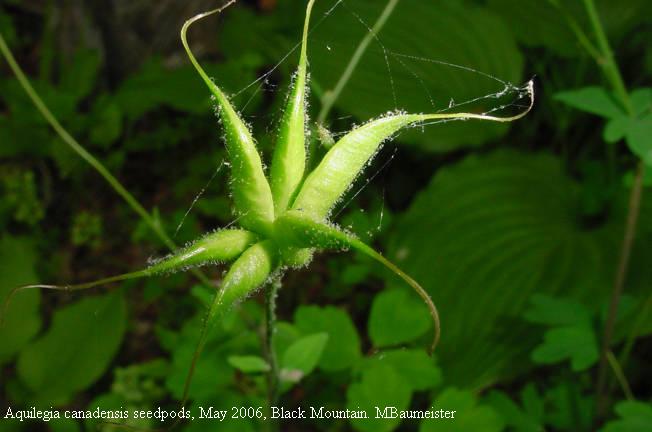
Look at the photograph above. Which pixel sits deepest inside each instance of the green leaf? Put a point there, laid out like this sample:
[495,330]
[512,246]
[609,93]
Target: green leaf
[537,23]
[418,55]
[22,320]
[80,74]
[594,100]
[416,368]
[641,100]
[302,356]
[634,417]
[380,386]
[76,350]
[521,419]
[469,415]
[285,334]
[397,317]
[577,343]
[106,123]
[568,407]
[615,129]
[638,138]
[249,364]
[510,227]
[343,347]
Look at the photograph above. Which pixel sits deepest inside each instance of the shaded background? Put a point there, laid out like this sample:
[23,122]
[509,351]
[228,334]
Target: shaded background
[514,230]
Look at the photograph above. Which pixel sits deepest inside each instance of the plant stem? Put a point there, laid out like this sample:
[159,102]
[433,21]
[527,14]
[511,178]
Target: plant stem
[620,376]
[612,73]
[619,284]
[607,61]
[331,96]
[88,157]
[634,331]
[270,354]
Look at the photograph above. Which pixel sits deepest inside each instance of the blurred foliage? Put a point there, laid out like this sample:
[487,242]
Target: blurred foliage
[514,230]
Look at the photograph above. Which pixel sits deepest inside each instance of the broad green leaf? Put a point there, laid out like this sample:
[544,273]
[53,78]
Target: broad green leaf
[594,100]
[416,367]
[634,417]
[302,356]
[379,387]
[577,343]
[469,415]
[510,227]
[536,23]
[343,347]
[465,27]
[22,320]
[397,317]
[77,348]
[249,364]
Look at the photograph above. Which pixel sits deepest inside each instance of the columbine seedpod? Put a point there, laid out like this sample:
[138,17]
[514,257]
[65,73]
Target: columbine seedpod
[285,219]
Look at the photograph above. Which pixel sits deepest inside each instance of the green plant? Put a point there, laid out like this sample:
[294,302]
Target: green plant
[284,220]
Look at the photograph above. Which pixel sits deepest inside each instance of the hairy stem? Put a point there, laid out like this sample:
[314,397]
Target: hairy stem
[270,354]
[331,96]
[88,157]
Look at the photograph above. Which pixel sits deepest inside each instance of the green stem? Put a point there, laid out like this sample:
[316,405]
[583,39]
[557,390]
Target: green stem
[606,61]
[88,157]
[582,38]
[623,358]
[618,287]
[612,73]
[331,96]
[273,374]
[620,376]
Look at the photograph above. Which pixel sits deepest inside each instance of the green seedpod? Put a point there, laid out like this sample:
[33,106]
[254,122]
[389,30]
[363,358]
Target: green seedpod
[217,247]
[346,159]
[289,159]
[251,192]
[248,273]
[343,162]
